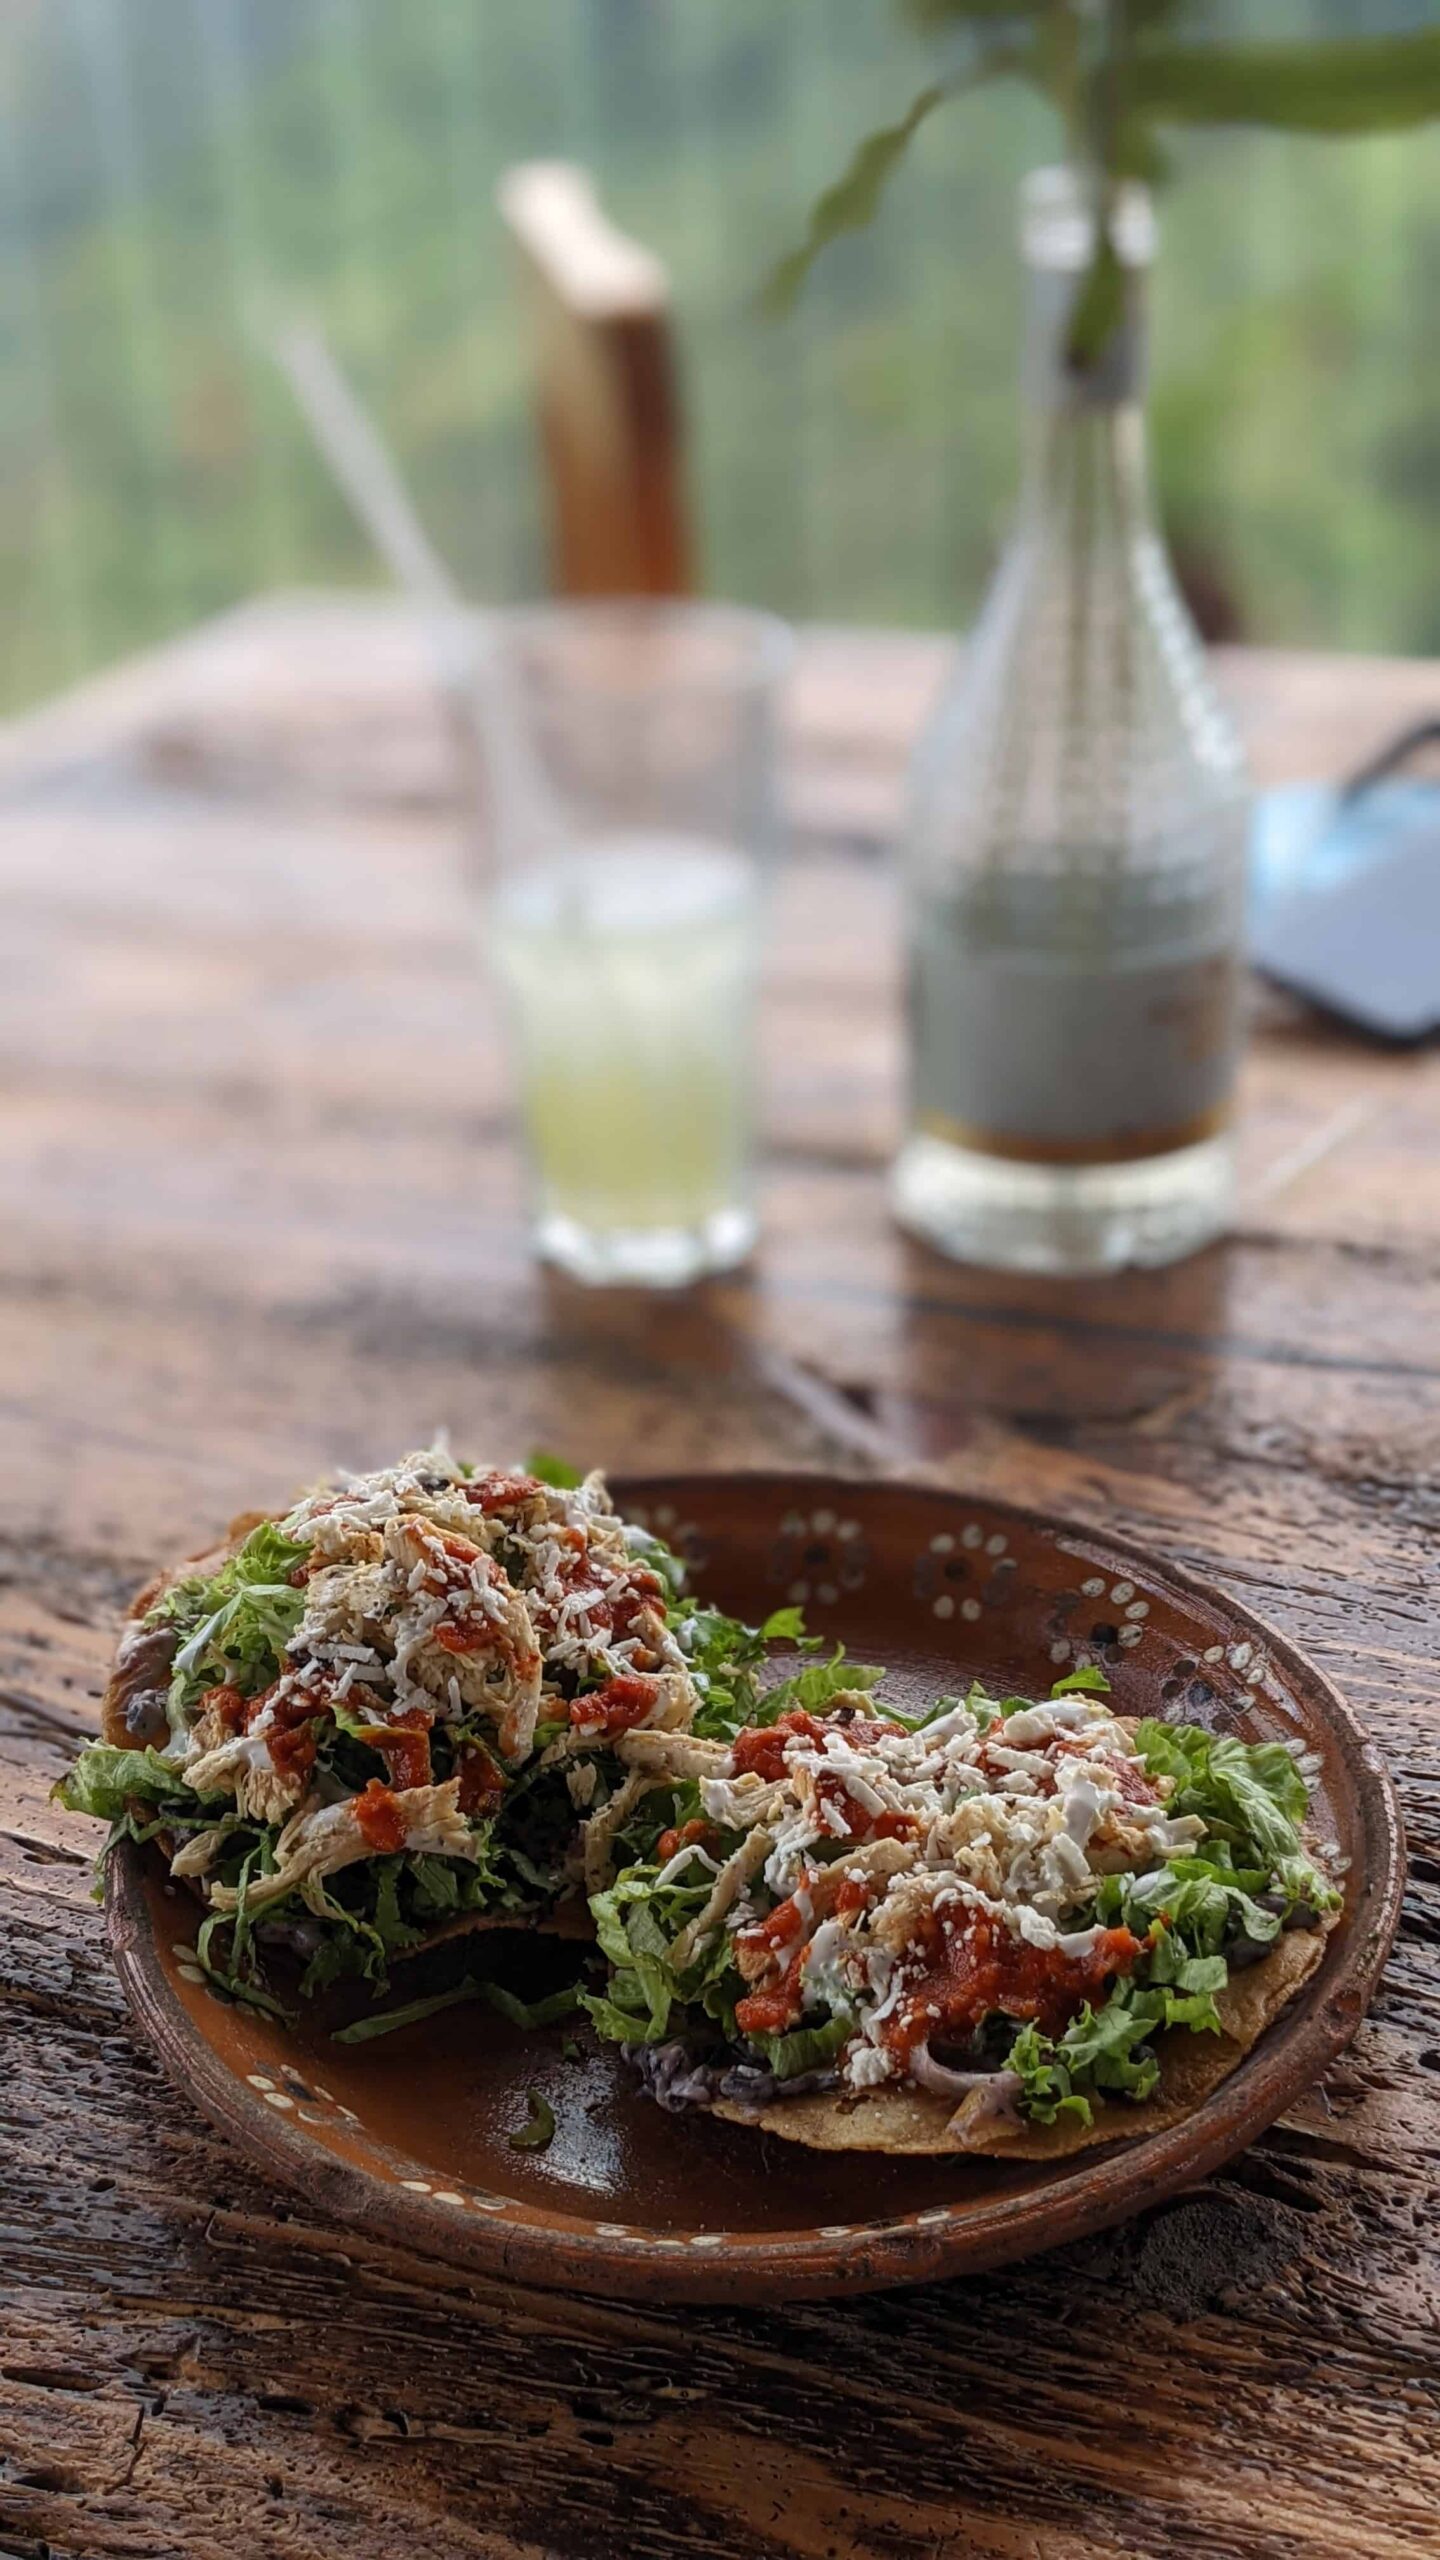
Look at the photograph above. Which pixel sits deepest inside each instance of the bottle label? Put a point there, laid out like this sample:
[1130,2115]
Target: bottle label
[1072,1065]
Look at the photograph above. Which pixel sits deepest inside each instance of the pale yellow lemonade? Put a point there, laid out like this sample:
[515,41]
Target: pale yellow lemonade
[630,974]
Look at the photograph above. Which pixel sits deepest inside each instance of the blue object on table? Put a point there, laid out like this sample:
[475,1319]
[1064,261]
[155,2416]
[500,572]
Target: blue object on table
[1309,835]
[1345,900]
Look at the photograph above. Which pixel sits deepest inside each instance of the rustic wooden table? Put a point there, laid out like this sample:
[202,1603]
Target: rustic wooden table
[260,1214]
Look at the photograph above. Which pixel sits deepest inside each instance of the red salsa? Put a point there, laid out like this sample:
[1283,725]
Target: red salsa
[453,1636]
[971,1967]
[227,1703]
[482,1781]
[777,1943]
[404,1746]
[381,1821]
[495,1491]
[621,1703]
[762,1747]
[686,1837]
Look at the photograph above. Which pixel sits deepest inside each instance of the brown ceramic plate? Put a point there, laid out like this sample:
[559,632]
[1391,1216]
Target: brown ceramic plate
[409,2135]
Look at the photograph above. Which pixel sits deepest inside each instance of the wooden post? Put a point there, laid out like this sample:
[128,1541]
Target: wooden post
[608,405]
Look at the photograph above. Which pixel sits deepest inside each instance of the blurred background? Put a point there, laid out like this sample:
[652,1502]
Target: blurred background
[164,162]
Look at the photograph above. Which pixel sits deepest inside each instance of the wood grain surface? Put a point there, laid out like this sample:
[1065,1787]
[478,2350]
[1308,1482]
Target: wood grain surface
[260,1213]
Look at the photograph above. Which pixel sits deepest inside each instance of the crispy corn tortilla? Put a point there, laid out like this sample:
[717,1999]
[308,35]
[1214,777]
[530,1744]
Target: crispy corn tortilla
[1191,2067]
[569,1919]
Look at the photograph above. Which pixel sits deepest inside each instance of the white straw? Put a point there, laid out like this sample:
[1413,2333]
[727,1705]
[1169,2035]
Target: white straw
[463,640]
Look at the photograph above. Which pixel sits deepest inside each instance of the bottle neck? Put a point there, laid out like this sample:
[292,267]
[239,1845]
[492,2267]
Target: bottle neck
[1083,424]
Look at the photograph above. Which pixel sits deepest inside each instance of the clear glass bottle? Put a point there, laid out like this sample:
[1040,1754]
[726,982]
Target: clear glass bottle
[1075,851]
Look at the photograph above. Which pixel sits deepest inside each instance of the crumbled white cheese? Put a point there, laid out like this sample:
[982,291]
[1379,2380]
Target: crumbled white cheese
[1018,1819]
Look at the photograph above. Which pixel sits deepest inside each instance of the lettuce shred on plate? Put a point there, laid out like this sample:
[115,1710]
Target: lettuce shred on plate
[435,1696]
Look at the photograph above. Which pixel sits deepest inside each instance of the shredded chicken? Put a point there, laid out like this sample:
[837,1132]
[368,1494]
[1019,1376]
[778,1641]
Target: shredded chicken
[744,1863]
[320,1840]
[198,1854]
[241,1766]
[601,1828]
[465,1626]
[671,1754]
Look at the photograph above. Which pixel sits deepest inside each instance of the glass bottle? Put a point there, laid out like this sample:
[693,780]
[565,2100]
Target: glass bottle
[1075,851]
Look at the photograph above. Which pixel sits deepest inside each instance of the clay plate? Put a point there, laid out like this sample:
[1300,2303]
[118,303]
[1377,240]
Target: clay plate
[408,2136]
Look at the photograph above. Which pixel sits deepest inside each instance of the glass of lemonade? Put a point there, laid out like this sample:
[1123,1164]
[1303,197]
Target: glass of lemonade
[632,818]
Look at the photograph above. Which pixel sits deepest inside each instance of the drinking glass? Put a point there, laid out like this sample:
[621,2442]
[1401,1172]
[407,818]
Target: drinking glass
[631,819]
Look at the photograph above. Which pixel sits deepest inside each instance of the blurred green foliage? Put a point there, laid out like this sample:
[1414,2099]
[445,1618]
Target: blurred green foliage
[1119,77]
[165,162]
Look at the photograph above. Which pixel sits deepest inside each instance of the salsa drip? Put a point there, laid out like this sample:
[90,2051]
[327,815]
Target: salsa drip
[455,1569]
[404,1745]
[449,1562]
[762,1749]
[702,1835]
[495,1492]
[377,1808]
[296,1713]
[968,1966]
[482,1780]
[965,1965]
[776,1945]
[622,1702]
[380,1818]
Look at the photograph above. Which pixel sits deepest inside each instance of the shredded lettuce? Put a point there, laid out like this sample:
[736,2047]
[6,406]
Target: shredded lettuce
[106,1779]
[1251,1796]
[805,2048]
[548,1469]
[521,2013]
[1111,2049]
[1244,1881]
[538,2130]
[532,2013]
[383,2022]
[1226,1897]
[637,1922]
[815,1688]
[236,1625]
[723,1655]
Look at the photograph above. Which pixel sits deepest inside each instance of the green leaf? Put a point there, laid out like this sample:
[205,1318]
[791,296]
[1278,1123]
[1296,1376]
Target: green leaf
[817,1686]
[384,2023]
[538,2130]
[1203,1973]
[1098,307]
[531,2013]
[1251,1794]
[608,1914]
[805,2048]
[784,1626]
[1355,85]
[1092,1677]
[235,1626]
[394,1931]
[548,1469]
[644,1933]
[939,1707]
[714,1644]
[614,2022]
[657,1988]
[852,201]
[437,1884]
[105,1777]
